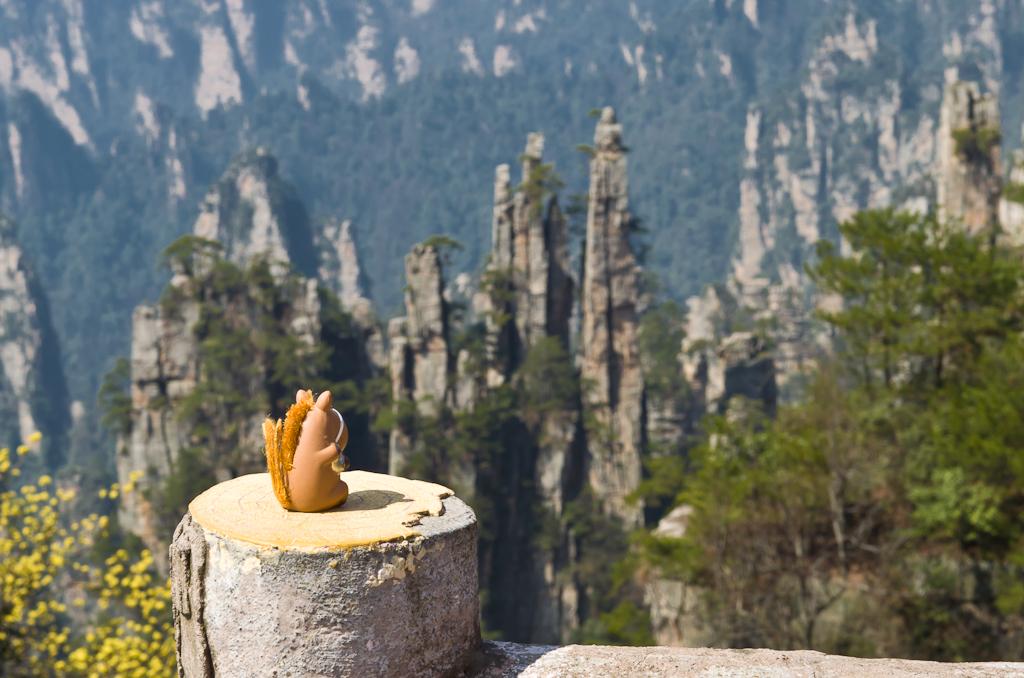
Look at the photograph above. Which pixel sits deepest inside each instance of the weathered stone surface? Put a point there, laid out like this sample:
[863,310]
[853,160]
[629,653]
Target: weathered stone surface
[1011,213]
[421,365]
[375,608]
[508,660]
[252,212]
[528,290]
[609,348]
[165,368]
[749,372]
[32,391]
[531,254]
[339,264]
[188,558]
[969,179]
[427,327]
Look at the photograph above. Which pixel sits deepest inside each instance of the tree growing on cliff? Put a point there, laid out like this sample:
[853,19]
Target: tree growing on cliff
[879,515]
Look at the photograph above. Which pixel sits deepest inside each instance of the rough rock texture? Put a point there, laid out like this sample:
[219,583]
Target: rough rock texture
[509,660]
[341,271]
[33,395]
[421,362]
[395,608]
[164,369]
[339,264]
[610,353]
[720,363]
[1011,214]
[166,365]
[530,257]
[188,564]
[969,177]
[810,166]
[749,372]
[427,327]
[252,211]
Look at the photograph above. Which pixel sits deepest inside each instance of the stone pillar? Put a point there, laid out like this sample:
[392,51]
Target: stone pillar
[968,147]
[609,342]
[384,585]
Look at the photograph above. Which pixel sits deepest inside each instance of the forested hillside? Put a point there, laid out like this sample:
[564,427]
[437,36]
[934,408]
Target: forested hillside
[723,355]
[392,114]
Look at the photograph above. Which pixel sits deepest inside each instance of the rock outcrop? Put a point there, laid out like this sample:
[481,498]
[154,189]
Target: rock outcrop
[1011,212]
[529,262]
[610,355]
[722,361]
[168,363]
[33,394]
[252,211]
[339,264]
[969,169]
[421,362]
[530,266]
[179,388]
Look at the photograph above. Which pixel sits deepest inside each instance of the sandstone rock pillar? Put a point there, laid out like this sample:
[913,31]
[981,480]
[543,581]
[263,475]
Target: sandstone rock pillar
[969,179]
[384,585]
[611,354]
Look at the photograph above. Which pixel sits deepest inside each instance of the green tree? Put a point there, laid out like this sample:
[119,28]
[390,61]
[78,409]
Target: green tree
[879,514]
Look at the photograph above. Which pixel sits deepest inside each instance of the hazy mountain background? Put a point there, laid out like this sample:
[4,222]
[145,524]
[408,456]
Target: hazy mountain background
[117,114]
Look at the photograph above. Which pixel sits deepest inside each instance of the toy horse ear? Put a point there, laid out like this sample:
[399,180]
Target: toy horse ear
[325,401]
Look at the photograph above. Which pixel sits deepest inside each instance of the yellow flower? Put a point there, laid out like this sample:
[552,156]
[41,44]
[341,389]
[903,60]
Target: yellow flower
[35,437]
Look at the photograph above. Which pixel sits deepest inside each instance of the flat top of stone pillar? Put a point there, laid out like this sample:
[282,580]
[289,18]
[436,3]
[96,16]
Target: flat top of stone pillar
[379,508]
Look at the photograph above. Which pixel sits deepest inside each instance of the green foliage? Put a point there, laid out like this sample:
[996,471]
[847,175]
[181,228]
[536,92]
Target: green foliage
[114,398]
[661,339]
[586,149]
[188,251]
[1013,191]
[604,570]
[547,380]
[445,246]
[885,505]
[541,183]
[191,475]
[975,145]
[442,242]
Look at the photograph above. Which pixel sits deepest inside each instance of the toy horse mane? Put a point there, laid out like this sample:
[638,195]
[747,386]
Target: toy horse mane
[282,438]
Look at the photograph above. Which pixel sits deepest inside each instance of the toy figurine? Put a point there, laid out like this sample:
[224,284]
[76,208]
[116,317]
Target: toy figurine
[304,454]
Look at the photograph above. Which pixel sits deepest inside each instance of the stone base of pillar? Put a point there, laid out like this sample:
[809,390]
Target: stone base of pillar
[384,585]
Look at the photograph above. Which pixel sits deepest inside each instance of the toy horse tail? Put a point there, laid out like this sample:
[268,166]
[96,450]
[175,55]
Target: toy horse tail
[275,463]
[282,438]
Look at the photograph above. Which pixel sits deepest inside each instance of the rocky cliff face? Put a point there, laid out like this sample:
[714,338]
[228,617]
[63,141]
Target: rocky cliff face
[610,355]
[529,261]
[186,379]
[169,367]
[969,173]
[339,263]
[421,361]
[33,395]
[251,211]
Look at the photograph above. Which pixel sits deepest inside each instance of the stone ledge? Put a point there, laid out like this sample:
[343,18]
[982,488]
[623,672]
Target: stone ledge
[511,660]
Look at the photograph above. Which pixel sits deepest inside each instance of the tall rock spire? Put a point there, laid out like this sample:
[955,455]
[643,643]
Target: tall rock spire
[531,254]
[252,211]
[420,354]
[970,172]
[610,352]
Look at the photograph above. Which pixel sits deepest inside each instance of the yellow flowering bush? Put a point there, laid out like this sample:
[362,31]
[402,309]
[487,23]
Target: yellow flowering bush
[59,616]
